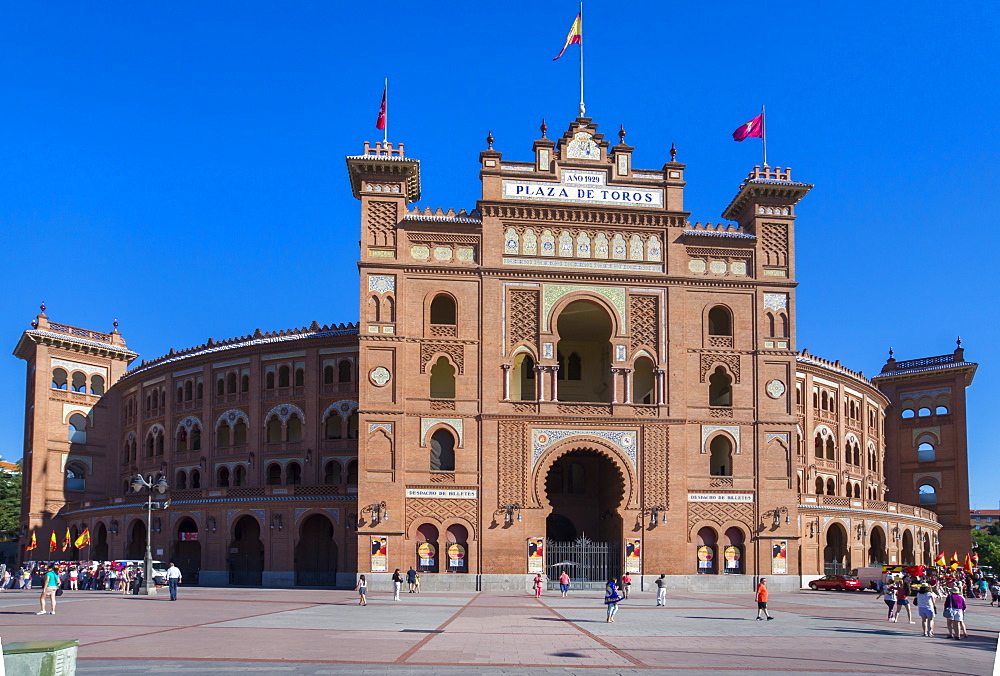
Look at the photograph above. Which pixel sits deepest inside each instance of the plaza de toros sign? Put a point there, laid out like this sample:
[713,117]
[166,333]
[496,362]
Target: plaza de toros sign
[583,187]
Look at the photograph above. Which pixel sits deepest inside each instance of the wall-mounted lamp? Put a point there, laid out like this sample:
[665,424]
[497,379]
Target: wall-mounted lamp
[210,524]
[896,534]
[654,512]
[114,527]
[813,529]
[276,519]
[378,511]
[309,454]
[509,511]
[775,515]
[203,462]
[862,531]
[250,458]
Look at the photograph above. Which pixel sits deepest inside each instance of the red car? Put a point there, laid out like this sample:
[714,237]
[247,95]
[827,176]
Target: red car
[836,582]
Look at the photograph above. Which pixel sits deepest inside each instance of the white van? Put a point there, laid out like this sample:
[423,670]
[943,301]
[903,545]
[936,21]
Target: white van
[159,570]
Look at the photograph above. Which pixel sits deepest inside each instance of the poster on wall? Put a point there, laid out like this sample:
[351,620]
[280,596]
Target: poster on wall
[536,555]
[779,557]
[380,551]
[633,555]
[456,556]
[705,556]
[732,555]
[426,552]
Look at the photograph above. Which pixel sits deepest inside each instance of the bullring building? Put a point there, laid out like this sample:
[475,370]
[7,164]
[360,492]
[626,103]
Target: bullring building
[571,375]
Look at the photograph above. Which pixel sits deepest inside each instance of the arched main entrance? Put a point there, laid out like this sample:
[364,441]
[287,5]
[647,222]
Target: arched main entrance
[316,553]
[836,559]
[136,548]
[585,491]
[877,551]
[246,557]
[101,543]
[909,558]
[187,551]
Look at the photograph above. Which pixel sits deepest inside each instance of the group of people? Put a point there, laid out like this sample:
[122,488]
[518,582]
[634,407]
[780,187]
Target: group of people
[949,592]
[90,576]
[412,581]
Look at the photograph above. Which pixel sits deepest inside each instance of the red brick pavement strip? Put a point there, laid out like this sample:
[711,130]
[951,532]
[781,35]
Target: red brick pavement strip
[624,655]
[426,639]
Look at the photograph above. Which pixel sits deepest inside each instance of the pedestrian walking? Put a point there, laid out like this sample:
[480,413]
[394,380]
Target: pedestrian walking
[888,594]
[661,590]
[611,598]
[903,601]
[626,584]
[954,612]
[173,579]
[564,583]
[362,590]
[537,583]
[74,578]
[397,582]
[926,608]
[26,579]
[995,592]
[416,585]
[762,599]
[411,580]
[49,588]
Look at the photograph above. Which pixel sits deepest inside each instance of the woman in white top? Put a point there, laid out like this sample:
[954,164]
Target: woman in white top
[926,609]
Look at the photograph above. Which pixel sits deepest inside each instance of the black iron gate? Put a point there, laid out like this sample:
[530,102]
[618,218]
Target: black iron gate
[589,564]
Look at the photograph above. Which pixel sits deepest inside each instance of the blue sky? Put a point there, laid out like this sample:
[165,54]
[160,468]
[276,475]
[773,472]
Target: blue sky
[180,167]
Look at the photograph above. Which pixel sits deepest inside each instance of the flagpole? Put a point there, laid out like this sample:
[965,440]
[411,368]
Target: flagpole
[583,108]
[385,126]
[763,132]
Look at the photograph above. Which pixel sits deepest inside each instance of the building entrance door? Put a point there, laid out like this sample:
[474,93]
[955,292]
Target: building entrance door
[246,553]
[584,528]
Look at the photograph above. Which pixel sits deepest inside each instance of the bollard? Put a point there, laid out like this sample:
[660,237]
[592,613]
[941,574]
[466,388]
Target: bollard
[40,658]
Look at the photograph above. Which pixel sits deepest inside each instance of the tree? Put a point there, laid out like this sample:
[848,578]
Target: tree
[989,547]
[10,502]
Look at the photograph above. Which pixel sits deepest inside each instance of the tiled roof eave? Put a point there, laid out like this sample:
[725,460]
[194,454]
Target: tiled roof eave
[52,335]
[719,233]
[925,369]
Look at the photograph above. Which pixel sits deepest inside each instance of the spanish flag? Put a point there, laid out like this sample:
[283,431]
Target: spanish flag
[939,561]
[67,539]
[33,544]
[84,538]
[53,544]
[575,36]
[975,558]
[954,561]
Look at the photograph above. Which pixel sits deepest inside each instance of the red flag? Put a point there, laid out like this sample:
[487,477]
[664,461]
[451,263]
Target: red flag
[752,129]
[380,122]
[575,36]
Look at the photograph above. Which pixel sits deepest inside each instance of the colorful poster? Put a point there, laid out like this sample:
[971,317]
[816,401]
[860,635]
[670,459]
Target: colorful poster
[732,555]
[779,557]
[536,555]
[426,552]
[633,555]
[380,558]
[705,556]
[456,556]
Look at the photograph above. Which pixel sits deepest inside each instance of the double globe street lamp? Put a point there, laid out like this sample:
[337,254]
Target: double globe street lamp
[148,587]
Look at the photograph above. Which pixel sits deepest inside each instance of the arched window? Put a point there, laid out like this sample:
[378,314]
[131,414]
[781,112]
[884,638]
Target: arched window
[222,480]
[352,473]
[182,440]
[293,474]
[220,387]
[231,383]
[390,309]
[222,435]
[443,309]
[181,482]
[300,377]
[782,325]
[442,379]
[819,485]
[908,413]
[240,433]
[195,438]
[442,451]
[707,539]
[848,454]
[269,380]
[925,452]
[159,443]
[284,376]
[720,392]
[643,382]
[857,490]
[195,479]
[274,430]
[79,382]
[150,446]
[240,476]
[156,399]
[96,384]
[770,323]
[824,401]
[857,455]
[818,443]
[344,371]
[831,487]
[831,449]
[77,429]
[523,378]
[273,474]
[923,412]
[941,410]
[199,390]
[328,375]
[721,461]
[332,473]
[76,477]
[352,425]
[59,381]
[334,426]
[294,429]
[188,390]
[720,321]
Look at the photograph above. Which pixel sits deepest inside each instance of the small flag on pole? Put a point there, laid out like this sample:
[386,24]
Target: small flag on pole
[84,539]
[33,544]
[575,36]
[380,122]
[954,561]
[968,564]
[53,543]
[939,561]
[752,129]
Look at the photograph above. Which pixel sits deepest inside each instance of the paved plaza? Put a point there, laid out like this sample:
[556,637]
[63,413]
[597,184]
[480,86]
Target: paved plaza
[223,631]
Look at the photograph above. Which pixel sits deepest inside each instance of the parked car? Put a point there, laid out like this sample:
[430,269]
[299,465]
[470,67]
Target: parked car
[836,582]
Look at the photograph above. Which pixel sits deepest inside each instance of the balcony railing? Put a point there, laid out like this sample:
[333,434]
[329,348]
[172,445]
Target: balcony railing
[869,505]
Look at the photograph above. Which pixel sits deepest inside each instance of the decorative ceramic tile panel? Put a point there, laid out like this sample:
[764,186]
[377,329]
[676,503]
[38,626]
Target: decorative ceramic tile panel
[454,423]
[776,301]
[551,293]
[284,412]
[543,439]
[380,426]
[732,430]
[343,408]
[381,283]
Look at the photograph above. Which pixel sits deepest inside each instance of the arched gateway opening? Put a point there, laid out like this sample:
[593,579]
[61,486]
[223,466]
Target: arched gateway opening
[585,491]
[246,553]
[836,557]
[316,553]
[187,551]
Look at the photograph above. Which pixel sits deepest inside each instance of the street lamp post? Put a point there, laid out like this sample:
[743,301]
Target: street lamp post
[139,483]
